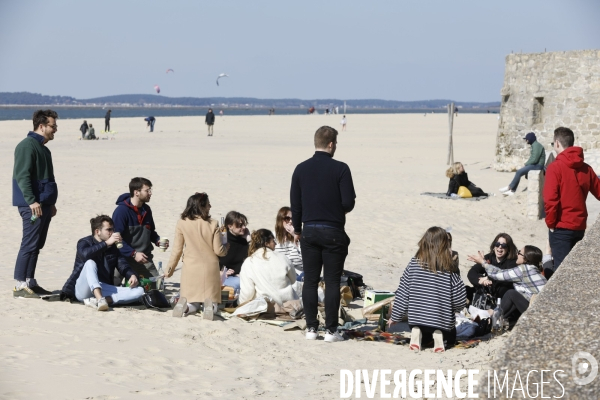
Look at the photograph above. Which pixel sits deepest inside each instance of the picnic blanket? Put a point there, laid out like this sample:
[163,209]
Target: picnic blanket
[443,196]
[397,338]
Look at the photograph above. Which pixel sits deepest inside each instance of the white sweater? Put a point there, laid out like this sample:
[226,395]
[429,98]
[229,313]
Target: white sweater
[272,277]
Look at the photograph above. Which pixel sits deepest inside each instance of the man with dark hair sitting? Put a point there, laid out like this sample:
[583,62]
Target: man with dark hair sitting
[95,264]
[133,220]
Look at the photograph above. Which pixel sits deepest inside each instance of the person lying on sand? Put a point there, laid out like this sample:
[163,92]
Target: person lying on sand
[458,177]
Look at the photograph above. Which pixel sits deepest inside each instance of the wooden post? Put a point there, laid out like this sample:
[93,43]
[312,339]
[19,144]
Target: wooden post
[450,125]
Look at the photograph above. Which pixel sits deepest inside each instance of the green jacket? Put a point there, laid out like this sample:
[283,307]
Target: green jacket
[538,154]
[33,173]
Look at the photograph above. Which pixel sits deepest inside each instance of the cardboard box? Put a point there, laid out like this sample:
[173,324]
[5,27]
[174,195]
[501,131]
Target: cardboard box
[373,296]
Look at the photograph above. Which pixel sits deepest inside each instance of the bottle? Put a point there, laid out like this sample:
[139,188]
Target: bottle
[119,244]
[33,219]
[160,281]
[497,319]
[223,232]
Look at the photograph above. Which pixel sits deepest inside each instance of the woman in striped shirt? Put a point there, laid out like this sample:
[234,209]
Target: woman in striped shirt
[284,234]
[431,291]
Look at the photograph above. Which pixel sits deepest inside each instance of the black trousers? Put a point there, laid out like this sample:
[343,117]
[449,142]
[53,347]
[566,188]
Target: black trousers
[562,242]
[514,304]
[427,335]
[323,248]
[107,125]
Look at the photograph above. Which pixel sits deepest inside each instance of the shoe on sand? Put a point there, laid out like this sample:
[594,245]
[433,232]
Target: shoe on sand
[180,308]
[509,193]
[208,312]
[91,302]
[438,342]
[311,334]
[415,339]
[40,291]
[25,293]
[504,189]
[102,304]
[333,337]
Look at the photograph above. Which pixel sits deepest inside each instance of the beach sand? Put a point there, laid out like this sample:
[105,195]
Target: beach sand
[55,350]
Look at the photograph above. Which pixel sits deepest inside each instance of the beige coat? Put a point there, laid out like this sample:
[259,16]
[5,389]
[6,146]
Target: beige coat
[200,277]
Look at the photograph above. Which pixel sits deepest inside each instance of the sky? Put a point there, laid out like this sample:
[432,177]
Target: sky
[393,50]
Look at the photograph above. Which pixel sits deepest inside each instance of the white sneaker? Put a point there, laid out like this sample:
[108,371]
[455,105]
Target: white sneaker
[333,337]
[102,304]
[509,193]
[504,189]
[311,334]
[91,302]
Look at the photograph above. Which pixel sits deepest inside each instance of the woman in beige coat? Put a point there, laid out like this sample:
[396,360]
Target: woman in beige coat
[200,277]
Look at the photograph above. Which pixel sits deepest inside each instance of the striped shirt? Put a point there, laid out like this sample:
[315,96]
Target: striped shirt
[292,252]
[526,278]
[429,299]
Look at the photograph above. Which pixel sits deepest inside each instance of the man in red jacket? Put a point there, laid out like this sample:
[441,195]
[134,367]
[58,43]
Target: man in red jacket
[568,182]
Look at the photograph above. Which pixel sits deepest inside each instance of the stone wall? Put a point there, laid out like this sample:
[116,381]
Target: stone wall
[542,92]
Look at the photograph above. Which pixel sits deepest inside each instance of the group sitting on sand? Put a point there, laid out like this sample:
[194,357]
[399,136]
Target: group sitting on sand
[111,263]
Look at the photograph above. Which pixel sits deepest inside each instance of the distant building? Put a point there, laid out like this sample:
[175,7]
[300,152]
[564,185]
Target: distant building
[543,91]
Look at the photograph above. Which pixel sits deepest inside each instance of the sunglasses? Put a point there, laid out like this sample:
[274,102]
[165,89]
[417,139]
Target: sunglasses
[287,219]
[501,245]
[521,254]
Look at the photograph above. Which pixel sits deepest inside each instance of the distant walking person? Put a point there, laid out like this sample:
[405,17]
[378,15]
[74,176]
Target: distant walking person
[343,123]
[34,193]
[107,121]
[321,195]
[568,182]
[210,121]
[536,161]
[83,128]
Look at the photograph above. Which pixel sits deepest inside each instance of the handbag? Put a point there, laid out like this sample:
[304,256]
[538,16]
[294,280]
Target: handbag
[483,299]
[464,192]
[354,281]
[155,299]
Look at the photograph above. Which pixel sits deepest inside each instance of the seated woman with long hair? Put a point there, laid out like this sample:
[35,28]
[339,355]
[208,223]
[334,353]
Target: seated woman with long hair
[266,273]
[200,278]
[237,237]
[284,235]
[458,177]
[430,292]
[526,278]
[503,254]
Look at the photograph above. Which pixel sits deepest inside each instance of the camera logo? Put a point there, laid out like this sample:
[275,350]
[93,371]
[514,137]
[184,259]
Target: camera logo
[584,364]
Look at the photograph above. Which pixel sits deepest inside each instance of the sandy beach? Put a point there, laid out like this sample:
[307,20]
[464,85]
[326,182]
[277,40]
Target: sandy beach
[55,350]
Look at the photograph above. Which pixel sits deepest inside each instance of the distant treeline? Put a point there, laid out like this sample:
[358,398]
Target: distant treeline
[26,98]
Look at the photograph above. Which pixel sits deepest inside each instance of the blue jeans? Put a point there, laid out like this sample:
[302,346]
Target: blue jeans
[233,281]
[152,126]
[323,248]
[88,281]
[523,171]
[562,242]
[34,238]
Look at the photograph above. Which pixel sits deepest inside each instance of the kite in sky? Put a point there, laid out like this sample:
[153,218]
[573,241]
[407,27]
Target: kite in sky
[170,70]
[157,88]
[221,76]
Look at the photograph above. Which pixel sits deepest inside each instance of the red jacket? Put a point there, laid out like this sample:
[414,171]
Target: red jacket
[568,182]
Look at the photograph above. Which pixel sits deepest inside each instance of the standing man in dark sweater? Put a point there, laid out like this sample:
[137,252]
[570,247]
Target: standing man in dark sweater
[321,195]
[35,194]
[210,121]
[107,121]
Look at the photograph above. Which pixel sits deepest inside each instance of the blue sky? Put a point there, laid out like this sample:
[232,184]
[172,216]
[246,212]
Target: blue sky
[396,50]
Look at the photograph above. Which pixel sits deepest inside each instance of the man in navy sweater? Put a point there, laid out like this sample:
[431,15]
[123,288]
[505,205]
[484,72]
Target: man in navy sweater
[321,195]
[133,220]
